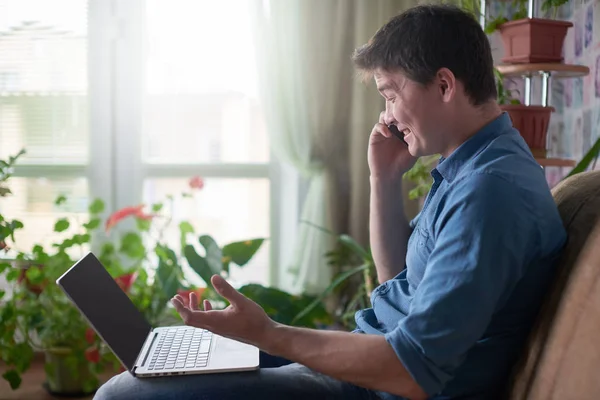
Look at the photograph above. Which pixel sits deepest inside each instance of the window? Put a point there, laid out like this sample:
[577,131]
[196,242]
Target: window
[130,109]
[44,109]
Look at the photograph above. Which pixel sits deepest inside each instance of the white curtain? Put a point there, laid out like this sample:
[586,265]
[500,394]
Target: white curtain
[316,110]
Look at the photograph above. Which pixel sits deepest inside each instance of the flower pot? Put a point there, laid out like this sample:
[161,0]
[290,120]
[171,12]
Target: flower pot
[533,40]
[532,122]
[68,375]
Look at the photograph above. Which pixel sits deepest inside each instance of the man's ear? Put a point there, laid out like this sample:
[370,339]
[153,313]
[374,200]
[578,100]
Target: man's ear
[446,83]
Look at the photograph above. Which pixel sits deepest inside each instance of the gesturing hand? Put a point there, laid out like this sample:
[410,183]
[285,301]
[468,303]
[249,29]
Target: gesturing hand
[242,320]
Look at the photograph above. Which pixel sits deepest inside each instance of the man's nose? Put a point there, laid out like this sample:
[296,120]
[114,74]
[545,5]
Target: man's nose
[388,116]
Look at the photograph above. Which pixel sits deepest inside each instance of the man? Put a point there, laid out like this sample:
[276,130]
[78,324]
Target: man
[460,284]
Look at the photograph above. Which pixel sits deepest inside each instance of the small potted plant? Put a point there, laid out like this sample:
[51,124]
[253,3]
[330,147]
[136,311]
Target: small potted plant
[531,40]
[531,121]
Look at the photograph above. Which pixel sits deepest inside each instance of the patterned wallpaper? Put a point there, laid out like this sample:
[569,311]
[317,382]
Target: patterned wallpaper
[575,124]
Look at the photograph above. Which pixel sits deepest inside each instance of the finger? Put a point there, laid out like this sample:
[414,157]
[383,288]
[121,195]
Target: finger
[227,291]
[381,117]
[182,310]
[381,129]
[180,298]
[193,301]
[207,305]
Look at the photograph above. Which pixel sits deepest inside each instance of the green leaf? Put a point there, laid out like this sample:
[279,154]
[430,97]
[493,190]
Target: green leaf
[7,313]
[3,267]
[185,228]
[92,224]
[81,239]
[34,275]
[61,225]
[4,191]
[16,224]
[241,253]
[132,245]
[351,244]
[283,307]
[214,255]
[493,25]
[157,207]
[335,283]
[143,224]
[198,264]
[13,377]
[26,355]
[167,271]
[96,207]
[60,200]
[12,275]
[587,159]
[108,249]
[2,293]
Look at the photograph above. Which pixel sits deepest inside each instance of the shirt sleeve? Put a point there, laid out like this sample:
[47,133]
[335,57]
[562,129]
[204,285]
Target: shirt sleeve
[481,245]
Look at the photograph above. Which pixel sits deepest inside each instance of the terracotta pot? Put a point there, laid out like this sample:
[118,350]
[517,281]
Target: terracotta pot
[533,40]
[532,122]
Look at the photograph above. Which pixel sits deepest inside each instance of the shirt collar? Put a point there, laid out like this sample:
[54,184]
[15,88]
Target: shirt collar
[449,167]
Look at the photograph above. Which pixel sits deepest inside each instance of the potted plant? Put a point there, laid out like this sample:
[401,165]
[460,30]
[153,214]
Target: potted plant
[531,40]
[531,121]
[39,318]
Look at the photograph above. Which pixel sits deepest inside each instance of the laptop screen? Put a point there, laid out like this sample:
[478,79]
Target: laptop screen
[108,309]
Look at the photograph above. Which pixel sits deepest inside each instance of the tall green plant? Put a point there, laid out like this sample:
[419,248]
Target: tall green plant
[281,306]
[353,280]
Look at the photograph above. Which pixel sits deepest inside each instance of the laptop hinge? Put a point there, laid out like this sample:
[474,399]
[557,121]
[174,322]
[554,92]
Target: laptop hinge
[141,358]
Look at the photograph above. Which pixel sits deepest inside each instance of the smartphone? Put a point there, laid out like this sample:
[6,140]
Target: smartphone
[396,132]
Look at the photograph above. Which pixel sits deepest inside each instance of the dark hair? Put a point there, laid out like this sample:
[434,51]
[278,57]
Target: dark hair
[424,39]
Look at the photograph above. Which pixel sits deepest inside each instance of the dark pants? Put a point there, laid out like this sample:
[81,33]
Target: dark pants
[277,378]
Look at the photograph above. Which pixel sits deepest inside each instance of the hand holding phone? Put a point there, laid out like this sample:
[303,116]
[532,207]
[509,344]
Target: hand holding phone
[396,132]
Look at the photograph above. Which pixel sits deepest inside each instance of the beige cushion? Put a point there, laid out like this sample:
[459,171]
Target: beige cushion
[562,360]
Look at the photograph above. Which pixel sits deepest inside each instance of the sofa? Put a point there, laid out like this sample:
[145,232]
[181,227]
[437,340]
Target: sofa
[562,357]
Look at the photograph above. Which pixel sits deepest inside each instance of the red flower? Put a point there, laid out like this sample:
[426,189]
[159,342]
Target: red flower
[117,216]
[196,183]
[90,335]
[186,294]
[92,355]
[125,281]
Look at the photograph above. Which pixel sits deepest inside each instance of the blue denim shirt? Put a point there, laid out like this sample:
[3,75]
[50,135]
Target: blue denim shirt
[479,259]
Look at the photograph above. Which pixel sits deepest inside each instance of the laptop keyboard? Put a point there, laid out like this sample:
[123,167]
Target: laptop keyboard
[181,348]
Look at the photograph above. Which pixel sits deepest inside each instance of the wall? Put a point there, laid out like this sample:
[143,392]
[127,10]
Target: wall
[575,125]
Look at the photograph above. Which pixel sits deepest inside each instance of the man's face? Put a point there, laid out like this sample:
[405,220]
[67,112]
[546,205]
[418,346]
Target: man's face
[416,110]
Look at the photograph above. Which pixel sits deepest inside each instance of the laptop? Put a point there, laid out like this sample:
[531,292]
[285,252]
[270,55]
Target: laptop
[144,350]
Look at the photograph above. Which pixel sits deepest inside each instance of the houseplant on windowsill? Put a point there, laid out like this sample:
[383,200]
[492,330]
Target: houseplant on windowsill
[40,318]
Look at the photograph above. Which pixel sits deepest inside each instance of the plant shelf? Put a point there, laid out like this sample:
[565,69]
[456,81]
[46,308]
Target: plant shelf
[555,162]
[557,70]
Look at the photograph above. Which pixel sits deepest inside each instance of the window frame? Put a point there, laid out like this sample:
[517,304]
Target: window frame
[116,170]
